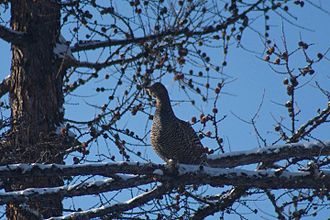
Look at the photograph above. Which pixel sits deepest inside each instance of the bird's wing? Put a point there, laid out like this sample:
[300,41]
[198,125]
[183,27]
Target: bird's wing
[190,139]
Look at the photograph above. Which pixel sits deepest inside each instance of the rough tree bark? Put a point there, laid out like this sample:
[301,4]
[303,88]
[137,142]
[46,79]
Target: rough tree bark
[36,100]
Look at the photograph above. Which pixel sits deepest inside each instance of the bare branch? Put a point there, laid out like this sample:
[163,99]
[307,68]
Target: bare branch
[92,45]
[225,201]
[278,210]
[75,63]
[310,125]
[120,207]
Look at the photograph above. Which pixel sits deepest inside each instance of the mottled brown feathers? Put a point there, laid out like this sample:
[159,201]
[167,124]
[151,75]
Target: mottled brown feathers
[171,137]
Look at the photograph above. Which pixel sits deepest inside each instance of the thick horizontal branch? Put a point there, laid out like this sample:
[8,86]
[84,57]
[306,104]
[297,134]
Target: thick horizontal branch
[137,201]
[270,154]
[262,179]
[92,45]
[102,169]
[86,188]
[76,63]
[11,36]
[274,153]
[187,175]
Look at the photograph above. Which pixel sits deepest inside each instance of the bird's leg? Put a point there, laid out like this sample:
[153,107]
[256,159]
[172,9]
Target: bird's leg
[203,162]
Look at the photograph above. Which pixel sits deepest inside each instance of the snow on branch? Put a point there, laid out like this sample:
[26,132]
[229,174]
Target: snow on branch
[262,179]
[187,175]
[267,154]
[4,86]
[270,154]
[119,207]
[62,49]
[11,36]
[66,2]
[152,173]
[80,189]
[103,169]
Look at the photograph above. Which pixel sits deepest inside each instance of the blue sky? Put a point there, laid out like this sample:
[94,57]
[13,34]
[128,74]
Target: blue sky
[252,78]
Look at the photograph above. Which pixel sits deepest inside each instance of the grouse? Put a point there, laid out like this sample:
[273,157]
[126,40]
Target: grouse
[172,138]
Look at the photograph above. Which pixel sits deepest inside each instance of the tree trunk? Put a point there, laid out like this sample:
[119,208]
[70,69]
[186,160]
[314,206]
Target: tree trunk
[36,100]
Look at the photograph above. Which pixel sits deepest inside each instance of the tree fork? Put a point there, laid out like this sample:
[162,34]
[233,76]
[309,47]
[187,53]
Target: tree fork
[36,99]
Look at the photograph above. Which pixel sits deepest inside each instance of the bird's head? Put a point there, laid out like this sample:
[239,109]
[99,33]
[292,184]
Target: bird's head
[158,91]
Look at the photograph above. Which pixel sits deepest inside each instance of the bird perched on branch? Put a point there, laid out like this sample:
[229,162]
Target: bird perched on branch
[172,138]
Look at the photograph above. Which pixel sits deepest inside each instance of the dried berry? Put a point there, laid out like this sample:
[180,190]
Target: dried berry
[277,128]
[286,81]
[277,60]
[204,119]
[270,50]
[267,58]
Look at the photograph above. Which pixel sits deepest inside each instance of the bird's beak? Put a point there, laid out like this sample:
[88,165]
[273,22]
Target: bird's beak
[149,92]
[144,87]
[147,89]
